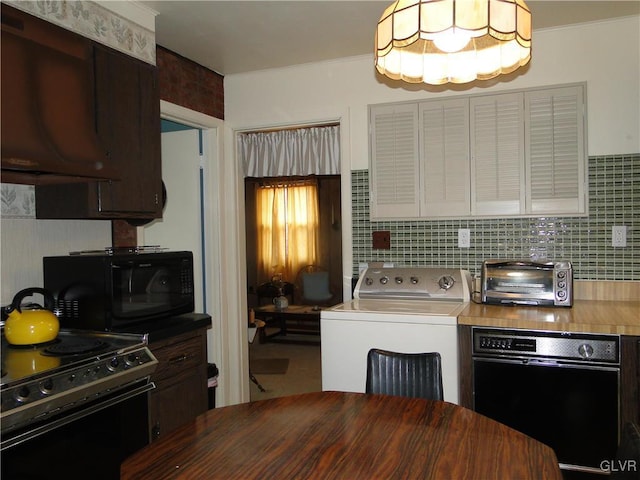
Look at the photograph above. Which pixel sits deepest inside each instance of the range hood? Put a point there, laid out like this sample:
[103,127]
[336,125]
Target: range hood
[48,106]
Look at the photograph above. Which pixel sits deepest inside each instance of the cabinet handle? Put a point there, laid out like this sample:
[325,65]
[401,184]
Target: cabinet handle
[155,431]
[179,358]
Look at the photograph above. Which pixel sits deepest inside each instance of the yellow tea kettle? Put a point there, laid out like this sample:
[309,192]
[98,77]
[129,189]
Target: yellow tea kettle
[31,326]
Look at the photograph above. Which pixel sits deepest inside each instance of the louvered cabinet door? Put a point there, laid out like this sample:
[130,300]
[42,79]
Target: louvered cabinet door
[556,152]
[394,169]
[497,155]
[444,151]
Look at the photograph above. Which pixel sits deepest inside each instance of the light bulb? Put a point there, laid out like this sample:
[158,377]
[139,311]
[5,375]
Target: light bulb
[452,40]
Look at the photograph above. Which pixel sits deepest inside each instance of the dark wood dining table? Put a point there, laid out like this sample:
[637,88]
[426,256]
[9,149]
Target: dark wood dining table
[337,435]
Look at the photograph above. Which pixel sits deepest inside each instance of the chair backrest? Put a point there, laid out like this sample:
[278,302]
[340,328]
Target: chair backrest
[405,374]
[627,461]
[314,285]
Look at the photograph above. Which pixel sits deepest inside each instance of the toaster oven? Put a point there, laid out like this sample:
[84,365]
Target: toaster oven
[527,282]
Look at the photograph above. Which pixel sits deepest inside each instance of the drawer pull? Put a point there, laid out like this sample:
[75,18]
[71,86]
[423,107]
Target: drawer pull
[179,358]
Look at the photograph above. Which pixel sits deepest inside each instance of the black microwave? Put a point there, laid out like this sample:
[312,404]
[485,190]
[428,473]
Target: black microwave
[113,291]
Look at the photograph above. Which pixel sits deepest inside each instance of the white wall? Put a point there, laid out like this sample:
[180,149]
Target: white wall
[179,228]
[26,240]
[605,55]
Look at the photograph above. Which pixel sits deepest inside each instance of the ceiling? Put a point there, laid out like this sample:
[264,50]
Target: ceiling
[242,36]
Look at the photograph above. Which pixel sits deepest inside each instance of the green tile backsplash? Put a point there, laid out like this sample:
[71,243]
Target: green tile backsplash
[614,199]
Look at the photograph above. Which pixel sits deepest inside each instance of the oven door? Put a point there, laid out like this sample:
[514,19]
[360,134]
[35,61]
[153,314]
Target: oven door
[571,407]
[89,442]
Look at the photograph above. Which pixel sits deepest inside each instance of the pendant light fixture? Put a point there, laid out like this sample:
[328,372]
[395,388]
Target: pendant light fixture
[452,41]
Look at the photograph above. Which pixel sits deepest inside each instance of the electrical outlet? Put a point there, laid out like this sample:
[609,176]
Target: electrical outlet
[619,236]
[464,238]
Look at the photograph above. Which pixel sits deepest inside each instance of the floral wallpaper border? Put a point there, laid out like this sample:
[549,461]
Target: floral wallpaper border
[95,22]
[18,201]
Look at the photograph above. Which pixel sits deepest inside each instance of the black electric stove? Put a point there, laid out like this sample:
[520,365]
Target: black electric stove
[49,384]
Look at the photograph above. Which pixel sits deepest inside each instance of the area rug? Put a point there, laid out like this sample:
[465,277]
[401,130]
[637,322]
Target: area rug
[269,366]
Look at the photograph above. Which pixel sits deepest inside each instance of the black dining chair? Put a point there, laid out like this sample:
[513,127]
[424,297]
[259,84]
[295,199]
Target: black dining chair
[416,375]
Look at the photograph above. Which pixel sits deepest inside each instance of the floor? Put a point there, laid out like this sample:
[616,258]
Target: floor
[303,374]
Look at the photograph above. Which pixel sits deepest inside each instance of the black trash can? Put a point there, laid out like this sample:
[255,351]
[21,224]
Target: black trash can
[212,383]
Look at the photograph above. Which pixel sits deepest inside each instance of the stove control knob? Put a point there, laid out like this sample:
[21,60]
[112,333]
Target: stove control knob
[113,364]
[22,395]
[446,282]
[414,280]
[399,280]
[132,359]
[46,386]
[585,350]
[384,280]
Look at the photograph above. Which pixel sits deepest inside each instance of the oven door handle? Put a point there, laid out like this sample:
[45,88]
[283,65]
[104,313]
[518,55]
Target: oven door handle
[550,362]
[73,416]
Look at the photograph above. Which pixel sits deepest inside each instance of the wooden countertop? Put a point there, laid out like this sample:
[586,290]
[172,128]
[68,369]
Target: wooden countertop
[586,316]
[338,435]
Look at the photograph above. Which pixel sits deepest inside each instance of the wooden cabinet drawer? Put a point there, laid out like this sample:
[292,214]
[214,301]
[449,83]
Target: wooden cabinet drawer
[178,359]
[181,381]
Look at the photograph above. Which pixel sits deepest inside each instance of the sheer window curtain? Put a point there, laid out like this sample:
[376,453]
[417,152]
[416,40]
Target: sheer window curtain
[287,229]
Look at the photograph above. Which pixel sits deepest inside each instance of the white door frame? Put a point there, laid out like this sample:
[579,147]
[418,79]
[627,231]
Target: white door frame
[227,339]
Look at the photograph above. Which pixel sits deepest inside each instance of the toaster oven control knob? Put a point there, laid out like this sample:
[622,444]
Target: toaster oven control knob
[585,350]
[398,280]
[446,282]
[562,274]
[384,280]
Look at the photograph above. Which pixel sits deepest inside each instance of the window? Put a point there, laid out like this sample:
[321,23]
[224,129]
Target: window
[287,228]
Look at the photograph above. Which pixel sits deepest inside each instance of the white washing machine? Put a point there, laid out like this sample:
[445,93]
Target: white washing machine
[402,309]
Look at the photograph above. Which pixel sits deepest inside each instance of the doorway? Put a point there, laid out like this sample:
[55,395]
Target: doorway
[290,363]
[328,254]
[293,233]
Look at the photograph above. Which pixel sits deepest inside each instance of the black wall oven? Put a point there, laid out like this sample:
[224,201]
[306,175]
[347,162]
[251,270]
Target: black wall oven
[559,388]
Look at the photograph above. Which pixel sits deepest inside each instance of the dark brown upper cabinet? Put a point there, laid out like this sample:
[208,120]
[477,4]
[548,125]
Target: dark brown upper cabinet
[127,106]
[48,111]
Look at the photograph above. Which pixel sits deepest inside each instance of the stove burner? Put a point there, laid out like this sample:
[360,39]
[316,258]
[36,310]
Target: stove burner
[32,346]
[75,346]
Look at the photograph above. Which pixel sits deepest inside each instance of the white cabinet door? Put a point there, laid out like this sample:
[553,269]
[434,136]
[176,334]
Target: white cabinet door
[394,174]
[556,162]
[497,155]
[444,154]
[512,154]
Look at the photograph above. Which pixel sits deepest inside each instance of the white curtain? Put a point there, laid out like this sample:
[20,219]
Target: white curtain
[299,152]
[287,226]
